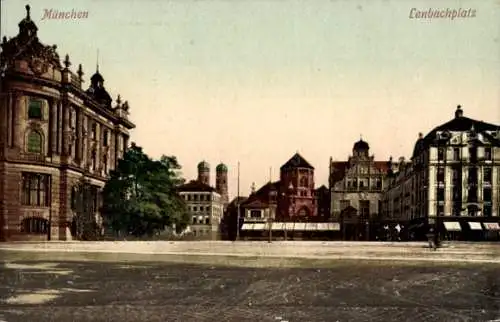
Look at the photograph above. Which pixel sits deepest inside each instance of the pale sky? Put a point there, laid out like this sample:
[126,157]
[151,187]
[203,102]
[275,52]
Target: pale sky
[257,81]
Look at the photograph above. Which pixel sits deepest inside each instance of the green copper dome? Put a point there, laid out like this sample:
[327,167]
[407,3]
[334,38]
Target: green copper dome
[221,168]
[203,165]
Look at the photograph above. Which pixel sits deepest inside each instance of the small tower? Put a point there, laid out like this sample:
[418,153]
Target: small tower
[221,182]
[204,172]
[360,148]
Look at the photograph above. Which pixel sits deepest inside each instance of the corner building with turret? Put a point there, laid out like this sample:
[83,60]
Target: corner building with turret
[54,134]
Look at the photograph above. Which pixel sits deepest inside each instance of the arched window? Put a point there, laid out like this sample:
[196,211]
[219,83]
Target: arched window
[34,225]
[303,182]
[34,142]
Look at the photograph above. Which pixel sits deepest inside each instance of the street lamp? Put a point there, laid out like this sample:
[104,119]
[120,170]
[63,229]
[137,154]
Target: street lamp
[238,206]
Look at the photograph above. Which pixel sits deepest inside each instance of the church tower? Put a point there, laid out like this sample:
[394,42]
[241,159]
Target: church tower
[204,172]
[221,182]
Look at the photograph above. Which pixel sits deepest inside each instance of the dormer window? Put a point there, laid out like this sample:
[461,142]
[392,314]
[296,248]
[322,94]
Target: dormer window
[35,109]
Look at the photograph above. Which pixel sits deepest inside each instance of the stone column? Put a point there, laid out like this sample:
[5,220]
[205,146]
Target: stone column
[79,135]
[59,127]
[53,126]
[98,146]
[19,110]
[66,130]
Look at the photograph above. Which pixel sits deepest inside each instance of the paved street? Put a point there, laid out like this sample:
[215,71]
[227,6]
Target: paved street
[123,287]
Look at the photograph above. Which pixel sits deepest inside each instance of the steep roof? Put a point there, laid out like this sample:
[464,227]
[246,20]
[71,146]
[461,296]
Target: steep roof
[260,197]
[297,161]
[459,123]
[195,186]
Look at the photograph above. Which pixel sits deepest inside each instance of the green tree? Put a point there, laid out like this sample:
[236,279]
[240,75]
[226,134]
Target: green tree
[141,198]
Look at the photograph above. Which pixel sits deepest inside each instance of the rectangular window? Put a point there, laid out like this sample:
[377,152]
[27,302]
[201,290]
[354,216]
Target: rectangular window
[455,176]
[255,214]
[35,189]
[440,154]
[487,153]
[207,221]
[472,180]
[35,109]
[456,154]
[105,138]
[105,161]
[94,131]
[487,211]
[473,154]
[472,195]
[93,161]
[487,175]
[440,194]
[487,194]
[440,175]
[440,210]
[364,208]
[194,220]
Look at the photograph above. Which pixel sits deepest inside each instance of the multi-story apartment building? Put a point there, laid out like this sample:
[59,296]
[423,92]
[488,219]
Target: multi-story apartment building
[398,200]
[356,190]
[205,203]
[454,181]
[53,134]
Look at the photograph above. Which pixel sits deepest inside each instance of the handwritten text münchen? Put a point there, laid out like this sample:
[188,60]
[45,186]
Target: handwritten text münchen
[64,15]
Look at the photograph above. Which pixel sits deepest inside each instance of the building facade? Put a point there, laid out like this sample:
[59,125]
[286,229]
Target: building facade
[296,200]
[453,184]
[206,203]
[356,191]
[206,208]
[53,134]
[290,208]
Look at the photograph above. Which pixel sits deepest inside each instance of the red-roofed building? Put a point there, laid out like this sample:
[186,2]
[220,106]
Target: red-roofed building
[294,195]
[357,184]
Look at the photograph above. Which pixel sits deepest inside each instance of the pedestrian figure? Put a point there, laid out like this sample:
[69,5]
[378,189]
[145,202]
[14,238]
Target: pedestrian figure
[430,237]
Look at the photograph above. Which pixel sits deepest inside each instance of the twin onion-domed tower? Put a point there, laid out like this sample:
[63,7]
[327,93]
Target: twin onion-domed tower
[221,172]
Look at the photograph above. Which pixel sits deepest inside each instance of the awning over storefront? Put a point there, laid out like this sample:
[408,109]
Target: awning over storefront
[278,226]
[260,226]
[491,226]
[292,226]
[247,227]
[452,226]
[475,225]
[300,226]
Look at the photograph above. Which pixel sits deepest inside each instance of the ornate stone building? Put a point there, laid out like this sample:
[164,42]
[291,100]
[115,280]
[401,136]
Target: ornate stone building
[356,191]
[53,133]
[453,184]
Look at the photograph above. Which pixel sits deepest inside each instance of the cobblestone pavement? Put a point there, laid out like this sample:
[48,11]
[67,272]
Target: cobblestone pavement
[128,289]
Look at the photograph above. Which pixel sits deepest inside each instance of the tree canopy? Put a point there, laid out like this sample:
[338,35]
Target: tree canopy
[141,198]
